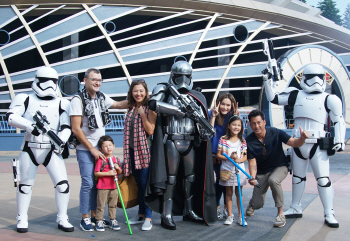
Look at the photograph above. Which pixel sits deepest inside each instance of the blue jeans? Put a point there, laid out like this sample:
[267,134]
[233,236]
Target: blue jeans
[218,188]
[141,177]
[88,191]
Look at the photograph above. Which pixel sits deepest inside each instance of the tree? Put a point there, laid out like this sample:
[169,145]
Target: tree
[346,17]
[330,11]
[304,1]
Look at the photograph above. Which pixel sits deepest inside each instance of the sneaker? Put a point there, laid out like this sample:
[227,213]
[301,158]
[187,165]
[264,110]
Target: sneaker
[105,222]
[100,226]
[280,221]
[229,220]
[137,219]
[86,225]
[249,211]
[240,221]
[147,225]
[225,213]
[114,225]
[218,213]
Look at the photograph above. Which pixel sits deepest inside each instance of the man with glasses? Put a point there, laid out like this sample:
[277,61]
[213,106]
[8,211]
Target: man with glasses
[267,162]
[89,116]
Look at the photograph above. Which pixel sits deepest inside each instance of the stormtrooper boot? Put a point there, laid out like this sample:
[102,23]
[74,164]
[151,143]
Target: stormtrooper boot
[167,217]
[190,215]
[64,224]
[330,220]
[294,211]
[22,224]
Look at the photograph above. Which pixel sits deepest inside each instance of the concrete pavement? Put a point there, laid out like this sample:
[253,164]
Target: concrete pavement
[42,211]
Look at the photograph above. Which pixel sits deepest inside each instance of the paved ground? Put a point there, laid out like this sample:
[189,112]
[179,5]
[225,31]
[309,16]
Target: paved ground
[42,211]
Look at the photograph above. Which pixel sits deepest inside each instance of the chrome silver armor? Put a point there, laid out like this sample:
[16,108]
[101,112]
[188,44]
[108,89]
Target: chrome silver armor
[179,137]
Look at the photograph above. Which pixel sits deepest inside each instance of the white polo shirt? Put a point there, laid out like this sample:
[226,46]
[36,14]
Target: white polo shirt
[76,108]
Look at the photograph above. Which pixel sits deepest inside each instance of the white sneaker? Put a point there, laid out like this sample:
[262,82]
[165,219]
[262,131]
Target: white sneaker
[331,221]
[218,213]
[294,212]
[240,221]
[147,225]
[137,219]
[100,226]
[229,220]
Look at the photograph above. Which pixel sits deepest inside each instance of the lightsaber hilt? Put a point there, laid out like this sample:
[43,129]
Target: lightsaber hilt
[244,172]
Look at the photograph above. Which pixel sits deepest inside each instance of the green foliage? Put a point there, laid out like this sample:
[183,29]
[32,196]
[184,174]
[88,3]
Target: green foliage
[330,11]
[304,1]
[346,17]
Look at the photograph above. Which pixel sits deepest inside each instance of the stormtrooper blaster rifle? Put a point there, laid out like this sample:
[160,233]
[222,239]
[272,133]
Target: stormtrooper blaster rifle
[272,66]
[193,111]
[42,124]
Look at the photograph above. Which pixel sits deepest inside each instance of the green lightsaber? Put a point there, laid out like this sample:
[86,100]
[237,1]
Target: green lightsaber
[110,160]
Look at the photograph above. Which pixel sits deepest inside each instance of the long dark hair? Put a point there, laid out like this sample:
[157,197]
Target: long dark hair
[228,135]
[220,119]
[131,100]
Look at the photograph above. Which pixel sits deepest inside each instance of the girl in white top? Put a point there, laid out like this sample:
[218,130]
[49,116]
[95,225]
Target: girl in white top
[234,145]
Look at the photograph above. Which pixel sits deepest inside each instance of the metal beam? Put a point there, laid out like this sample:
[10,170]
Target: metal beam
[239,51]
[109,40]
[202,37]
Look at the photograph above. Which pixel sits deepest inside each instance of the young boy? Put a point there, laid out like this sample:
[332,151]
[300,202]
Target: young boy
[106,188]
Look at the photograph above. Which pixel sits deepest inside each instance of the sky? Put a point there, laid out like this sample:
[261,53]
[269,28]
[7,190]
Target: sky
[341,4]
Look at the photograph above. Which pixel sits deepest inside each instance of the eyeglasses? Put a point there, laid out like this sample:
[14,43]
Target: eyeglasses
[95,80]
[263,147]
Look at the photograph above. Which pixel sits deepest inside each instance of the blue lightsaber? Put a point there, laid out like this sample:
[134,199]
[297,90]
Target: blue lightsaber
[234,163]
[240,197]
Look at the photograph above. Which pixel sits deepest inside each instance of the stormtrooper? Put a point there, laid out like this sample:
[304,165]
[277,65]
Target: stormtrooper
[312,107]
[184,158]
[38,148]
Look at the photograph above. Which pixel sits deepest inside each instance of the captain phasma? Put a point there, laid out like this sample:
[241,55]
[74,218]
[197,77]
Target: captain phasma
[37,149]
[181,137]
[312,107]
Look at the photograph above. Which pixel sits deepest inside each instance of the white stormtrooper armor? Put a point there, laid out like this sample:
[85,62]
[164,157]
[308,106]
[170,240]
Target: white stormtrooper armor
[312,106]
[37,148]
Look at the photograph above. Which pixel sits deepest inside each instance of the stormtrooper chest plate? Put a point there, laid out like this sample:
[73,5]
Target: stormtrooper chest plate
[311,106]
[178,125]
[49,108]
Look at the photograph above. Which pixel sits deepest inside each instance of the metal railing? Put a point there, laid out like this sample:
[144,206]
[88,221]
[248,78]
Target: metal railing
[116,125]
[4,125]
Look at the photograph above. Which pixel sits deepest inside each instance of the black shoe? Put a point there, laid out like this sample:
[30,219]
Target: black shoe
[168,223]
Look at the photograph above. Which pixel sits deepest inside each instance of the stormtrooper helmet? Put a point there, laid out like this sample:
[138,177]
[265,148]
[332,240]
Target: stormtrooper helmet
[181,74]
[313,78]
[45,82]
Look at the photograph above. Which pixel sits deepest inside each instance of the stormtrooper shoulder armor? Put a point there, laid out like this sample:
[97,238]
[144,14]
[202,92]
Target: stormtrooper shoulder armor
[19,100]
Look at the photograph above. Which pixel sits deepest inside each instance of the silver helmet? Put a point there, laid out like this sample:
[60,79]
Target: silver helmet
[313,78]
[45,82]
[181,74]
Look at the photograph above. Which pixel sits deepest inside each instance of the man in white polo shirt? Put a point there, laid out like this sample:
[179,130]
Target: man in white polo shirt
[89,116]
